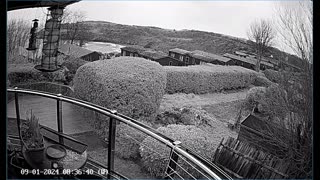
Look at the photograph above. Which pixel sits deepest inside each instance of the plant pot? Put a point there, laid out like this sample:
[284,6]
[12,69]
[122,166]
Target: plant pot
[37,155]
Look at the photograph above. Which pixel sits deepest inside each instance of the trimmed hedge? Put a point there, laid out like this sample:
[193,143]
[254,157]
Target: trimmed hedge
[132,86]
[155,154]
[202,79]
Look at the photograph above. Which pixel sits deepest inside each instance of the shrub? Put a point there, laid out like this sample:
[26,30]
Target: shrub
[132,86]
[262,81]
[73,64]
[185,116]
[26,73]
[273,75]
[155,154]
[205,79]
[254,96]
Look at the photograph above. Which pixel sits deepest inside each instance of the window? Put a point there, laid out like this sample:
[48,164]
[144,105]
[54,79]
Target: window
[170,63]
[181,58]
[172,54]
[187,60]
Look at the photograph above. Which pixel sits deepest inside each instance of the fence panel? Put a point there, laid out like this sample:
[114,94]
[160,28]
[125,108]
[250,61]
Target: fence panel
[244,161]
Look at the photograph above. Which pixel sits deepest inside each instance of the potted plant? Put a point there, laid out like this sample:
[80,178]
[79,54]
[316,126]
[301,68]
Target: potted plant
[32,138]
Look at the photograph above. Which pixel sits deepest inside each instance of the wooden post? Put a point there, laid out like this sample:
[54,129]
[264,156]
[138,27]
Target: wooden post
[173,160]
[111,144]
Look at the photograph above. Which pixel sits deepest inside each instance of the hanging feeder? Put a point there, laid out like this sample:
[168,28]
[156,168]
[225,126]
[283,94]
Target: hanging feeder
[49,61]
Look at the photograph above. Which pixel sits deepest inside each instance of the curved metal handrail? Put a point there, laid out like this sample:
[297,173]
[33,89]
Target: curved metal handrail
[133,123]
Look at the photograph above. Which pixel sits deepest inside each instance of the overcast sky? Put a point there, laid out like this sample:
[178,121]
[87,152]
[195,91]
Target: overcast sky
[226,17]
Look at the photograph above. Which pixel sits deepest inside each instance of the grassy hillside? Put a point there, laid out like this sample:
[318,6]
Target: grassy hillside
[165,39]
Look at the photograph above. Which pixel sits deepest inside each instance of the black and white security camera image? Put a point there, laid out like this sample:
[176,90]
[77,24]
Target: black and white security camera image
[151,89]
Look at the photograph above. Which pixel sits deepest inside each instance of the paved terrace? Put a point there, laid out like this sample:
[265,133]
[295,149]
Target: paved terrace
[46,110]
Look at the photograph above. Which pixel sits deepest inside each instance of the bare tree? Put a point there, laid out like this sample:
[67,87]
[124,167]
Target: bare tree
[295,27]
[17,34]
[72,21]
[261,33]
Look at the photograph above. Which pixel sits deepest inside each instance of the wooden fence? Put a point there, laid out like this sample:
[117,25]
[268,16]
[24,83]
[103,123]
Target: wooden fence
[241,160]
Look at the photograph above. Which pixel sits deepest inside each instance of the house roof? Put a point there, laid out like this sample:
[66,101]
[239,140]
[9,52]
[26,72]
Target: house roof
[135,48]
[179,51]
[153,54]
[73,50]
[248,60]
[209,57]
[240,53]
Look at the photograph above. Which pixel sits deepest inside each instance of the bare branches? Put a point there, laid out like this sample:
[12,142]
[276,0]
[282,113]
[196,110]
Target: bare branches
[72,23]
[262,33]
[18,34]
[294,24]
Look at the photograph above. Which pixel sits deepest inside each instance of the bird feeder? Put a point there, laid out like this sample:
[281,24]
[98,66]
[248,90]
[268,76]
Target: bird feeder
[51,37]
[32,47]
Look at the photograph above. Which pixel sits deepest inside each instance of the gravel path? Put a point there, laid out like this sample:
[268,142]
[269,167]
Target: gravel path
[181,99]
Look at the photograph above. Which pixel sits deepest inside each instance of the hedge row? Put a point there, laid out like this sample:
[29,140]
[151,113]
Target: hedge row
[132,86]
[206,79]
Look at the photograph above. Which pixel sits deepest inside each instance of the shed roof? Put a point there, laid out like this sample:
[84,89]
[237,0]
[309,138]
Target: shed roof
[248,60]
[209,57]
[153,54]
[73,50]
[241,53]
[134,48]
[179,51]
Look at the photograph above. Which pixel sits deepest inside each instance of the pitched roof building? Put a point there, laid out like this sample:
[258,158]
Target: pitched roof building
[79,52]
[209,57]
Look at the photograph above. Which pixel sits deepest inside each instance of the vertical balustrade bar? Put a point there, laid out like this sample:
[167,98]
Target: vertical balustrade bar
[59,118]
[173,160]
[111,144]
[16,101]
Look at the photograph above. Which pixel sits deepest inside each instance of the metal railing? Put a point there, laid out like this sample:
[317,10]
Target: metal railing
[178,152]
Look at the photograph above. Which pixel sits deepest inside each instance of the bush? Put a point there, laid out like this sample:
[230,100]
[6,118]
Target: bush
[185,116]
[132,86]
[73,64]
[155,154]
[26,73]
[261,80]
[273,75]
[206,79]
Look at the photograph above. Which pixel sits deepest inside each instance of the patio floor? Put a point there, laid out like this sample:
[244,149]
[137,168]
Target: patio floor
[46,110]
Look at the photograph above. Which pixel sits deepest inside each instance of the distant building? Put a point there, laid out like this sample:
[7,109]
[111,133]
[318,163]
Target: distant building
[200,57]
[247,62]
[79,52]
[157,56]
[132,51]
[180,54]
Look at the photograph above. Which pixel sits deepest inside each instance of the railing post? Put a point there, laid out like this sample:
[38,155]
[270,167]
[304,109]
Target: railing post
[111,144]
[173,160]
[59,118]
[16,99]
